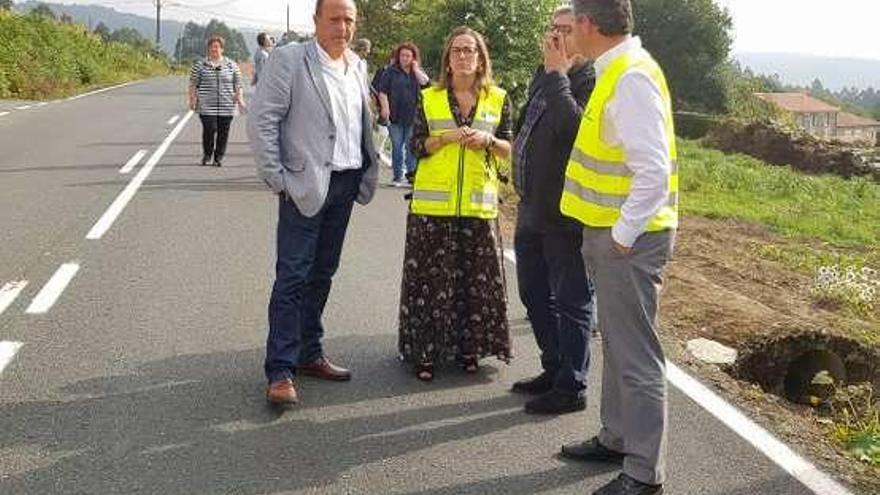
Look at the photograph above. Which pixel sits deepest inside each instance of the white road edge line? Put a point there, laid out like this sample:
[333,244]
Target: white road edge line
[132,162]
[172,120]
[106,221]
[98,91]
[49,294]
[42,104]
[7,353]
[23,107]
[9,292]
[3,114]
[763,441]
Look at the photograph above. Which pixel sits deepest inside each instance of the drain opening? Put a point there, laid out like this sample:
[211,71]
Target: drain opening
[813,376]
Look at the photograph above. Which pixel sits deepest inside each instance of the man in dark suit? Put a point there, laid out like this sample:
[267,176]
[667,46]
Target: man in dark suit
[553,283]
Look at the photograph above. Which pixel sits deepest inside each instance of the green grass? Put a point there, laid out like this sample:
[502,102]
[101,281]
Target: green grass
[841,212]
[834,222]
[856,422]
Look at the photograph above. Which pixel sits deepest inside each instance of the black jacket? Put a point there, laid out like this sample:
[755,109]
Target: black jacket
[549,145]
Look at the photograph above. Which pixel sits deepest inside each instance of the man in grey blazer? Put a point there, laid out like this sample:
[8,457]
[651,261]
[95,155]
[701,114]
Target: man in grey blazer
[309,127]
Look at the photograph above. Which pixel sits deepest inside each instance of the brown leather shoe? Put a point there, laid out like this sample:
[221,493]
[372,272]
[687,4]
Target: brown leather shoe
[282,392]
[325,370]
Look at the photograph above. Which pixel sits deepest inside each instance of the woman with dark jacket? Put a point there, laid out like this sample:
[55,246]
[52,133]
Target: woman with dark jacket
[214,92]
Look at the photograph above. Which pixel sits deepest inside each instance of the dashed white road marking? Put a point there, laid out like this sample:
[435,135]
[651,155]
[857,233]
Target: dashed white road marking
[9,292]
[42,104]
[174,119]
[3,114]
[132,162]
[7,353]
[23,107]
[763,441]
[53,289]
[106,221]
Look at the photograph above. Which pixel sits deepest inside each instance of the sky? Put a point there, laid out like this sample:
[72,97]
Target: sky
[838,28]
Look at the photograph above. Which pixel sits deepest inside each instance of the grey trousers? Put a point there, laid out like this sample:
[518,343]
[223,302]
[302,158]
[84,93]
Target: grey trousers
[634,409]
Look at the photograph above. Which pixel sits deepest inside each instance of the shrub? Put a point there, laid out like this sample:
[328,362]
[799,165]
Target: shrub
[41,58]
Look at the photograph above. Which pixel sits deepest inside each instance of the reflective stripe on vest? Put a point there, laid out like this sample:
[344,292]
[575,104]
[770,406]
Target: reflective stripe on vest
[606,200]
[454,180]
[597,180]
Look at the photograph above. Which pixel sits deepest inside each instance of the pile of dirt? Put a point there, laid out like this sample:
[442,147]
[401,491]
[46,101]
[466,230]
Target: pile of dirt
[780,145]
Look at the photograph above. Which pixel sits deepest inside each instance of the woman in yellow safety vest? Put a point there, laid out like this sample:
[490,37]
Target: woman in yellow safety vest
[452,303]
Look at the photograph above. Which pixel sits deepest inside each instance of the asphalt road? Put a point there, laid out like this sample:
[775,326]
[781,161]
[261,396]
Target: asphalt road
[146,374]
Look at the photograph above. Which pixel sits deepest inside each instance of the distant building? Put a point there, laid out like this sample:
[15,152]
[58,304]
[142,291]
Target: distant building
[853,128]
[823,120]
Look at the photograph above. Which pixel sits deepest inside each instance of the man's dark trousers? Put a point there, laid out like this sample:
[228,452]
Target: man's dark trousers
[308,256]
[557,294]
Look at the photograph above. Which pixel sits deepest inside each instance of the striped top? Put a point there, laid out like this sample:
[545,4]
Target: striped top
[217,86]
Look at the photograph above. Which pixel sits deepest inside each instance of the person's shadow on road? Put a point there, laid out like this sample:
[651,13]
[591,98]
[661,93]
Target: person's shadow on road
[199,424]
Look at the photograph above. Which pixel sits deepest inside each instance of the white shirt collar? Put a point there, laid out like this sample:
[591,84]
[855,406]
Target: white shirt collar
[631,44]
[340,64]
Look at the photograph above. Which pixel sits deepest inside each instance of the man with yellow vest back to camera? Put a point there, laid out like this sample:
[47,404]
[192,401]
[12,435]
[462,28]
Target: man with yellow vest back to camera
[621,183]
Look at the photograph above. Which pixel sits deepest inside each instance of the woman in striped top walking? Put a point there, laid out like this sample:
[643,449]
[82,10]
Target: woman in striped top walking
[214,92]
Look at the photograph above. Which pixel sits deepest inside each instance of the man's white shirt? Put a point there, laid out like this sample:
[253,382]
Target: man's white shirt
[346,101]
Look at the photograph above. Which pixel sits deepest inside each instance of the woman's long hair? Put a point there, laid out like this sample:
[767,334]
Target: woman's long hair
[484,63]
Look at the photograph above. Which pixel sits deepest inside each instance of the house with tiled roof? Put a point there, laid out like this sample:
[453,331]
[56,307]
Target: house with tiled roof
[823,120]
[853,128]
[811,114]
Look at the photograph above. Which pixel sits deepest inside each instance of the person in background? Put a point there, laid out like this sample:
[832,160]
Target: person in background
[399,90]
[621,183]
[553,283]
[261,56]
[452,301]
[310,132]
[214,92]
[363,47]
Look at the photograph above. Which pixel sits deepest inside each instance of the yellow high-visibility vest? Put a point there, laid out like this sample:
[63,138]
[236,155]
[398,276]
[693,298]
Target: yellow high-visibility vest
[597,180]
[454,180]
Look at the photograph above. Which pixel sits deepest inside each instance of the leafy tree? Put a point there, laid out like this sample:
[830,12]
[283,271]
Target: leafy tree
[192,43]
[67,19]
[691,39]
[512,28]
[133,38]
[102,31]
[43,10]
[5,4]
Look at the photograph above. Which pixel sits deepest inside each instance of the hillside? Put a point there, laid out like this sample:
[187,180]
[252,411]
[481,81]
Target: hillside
[796,69]
[91,15]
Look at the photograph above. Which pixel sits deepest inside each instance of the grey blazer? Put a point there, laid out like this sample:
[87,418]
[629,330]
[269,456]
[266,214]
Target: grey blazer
[291,129]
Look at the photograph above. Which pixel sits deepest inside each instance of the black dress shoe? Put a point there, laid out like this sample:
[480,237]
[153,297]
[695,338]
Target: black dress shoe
[556,402]
[592,451]
[218,162]
[205,160]
[540,384]
[624,485]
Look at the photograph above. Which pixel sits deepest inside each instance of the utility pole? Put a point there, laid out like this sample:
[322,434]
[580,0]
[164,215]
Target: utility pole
[288,17]
[158,22]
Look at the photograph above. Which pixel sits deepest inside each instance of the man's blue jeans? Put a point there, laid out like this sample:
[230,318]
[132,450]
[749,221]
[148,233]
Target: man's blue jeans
[400,136]
[557,294]
[308,256]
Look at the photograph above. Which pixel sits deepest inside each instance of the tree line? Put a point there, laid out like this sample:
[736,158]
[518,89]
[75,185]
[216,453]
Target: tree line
[690,38]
